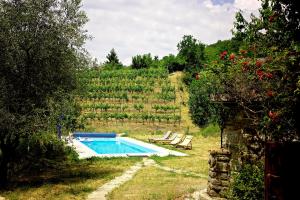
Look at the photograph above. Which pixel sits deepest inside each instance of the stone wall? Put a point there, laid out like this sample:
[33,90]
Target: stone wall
[219,172]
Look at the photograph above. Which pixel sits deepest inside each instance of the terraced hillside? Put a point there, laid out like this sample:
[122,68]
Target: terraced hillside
[128,99]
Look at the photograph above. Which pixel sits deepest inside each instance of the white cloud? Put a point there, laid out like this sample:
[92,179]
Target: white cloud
[145,26]
[248,5]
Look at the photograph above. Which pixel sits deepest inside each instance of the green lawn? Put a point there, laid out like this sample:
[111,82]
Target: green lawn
[74,181]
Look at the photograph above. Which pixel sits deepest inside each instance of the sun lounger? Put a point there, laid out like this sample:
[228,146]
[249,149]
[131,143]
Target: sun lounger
[186,143]
[178,139]
[165,136]
[168,140]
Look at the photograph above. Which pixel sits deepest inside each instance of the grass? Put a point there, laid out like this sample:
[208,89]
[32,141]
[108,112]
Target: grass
[152,183]
[210,130]
[197,161]
[75,181]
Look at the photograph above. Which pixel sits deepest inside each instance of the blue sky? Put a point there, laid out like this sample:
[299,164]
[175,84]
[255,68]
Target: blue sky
[134,27]
[221,2]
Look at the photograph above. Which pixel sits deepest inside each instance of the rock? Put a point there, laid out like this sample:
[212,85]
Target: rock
[223,158]
[212,174]
[212,193]
[215,181]
[225,183]
[221,167]
[223,176]
[217,188]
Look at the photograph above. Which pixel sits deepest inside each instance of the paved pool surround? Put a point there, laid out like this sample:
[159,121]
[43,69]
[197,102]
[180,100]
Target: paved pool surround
[86,152]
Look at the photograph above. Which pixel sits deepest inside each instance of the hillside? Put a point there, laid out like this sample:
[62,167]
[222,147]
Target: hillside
[145,101]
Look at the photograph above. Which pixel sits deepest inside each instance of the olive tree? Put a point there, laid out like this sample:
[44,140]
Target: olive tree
[40,45]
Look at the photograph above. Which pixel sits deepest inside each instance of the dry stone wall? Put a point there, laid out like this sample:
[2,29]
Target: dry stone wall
[219,172]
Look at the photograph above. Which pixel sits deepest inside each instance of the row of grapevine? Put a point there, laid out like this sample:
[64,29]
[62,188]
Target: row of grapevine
[124,80]
[141,117]
[128,73]
[119,87]
[124,96]
[138,107]
[127,95]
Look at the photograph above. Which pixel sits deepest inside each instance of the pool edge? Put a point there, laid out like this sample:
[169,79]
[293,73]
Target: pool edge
[85,152]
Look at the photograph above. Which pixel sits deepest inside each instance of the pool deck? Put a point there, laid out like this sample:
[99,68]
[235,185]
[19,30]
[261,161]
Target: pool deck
[85,152]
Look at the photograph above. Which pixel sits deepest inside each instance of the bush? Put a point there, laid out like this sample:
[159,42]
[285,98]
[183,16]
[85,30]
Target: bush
[174,63]
[142,61]
[210,130]
[248,183]
[202,110]
[48,148]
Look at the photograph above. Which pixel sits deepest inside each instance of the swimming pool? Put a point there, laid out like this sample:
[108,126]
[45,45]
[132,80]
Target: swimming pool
[115,145]
[110,145]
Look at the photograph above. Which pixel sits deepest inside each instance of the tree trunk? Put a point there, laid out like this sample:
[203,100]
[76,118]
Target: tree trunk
[3,169]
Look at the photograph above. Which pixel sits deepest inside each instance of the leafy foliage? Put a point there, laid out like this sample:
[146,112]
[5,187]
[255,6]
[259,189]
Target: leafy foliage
[112,60]
[248,184]
[192,52]
[40,50]
[174,63]
[201,110]
[261,79]
[142,61]
[274,36]
[213,51]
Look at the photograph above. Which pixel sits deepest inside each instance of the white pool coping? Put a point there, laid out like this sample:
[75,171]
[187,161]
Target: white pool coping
[85,152]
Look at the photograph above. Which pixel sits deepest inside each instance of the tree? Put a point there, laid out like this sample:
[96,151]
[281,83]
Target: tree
[40,48]
[112,60]
[173,63]
[112,57]
[192,51]
[142,61]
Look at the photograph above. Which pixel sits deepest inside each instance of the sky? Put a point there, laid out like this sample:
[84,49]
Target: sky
[134,27]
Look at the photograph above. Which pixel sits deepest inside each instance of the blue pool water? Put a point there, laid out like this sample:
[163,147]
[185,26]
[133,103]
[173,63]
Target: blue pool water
[114,146]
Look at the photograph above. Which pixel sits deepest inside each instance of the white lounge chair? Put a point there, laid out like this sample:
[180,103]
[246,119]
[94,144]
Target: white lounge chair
[186,143]
[164,137]
[178,139]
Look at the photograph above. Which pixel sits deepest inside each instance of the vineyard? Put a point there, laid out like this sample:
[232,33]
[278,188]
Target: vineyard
[129,96]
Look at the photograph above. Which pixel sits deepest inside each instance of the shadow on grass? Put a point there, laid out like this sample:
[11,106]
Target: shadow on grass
[70,173]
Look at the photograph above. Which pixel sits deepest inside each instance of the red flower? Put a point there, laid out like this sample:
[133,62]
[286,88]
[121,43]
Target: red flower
[245,63]
[245,66]
[270,93]
[197,76]
[223,54]
[243,51]
[271,18]
[269,75]
[258,63]
[232,56]
[273,115]
[260,74]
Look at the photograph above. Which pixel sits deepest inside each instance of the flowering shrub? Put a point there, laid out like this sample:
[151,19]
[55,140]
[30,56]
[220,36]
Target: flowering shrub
[263,78]
[264,89]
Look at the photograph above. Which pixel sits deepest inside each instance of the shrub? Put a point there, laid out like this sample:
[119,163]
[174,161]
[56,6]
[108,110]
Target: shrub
[247,184]
[142,61]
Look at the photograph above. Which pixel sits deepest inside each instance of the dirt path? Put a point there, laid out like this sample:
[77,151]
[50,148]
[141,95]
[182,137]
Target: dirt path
[182,98]
[101,192]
